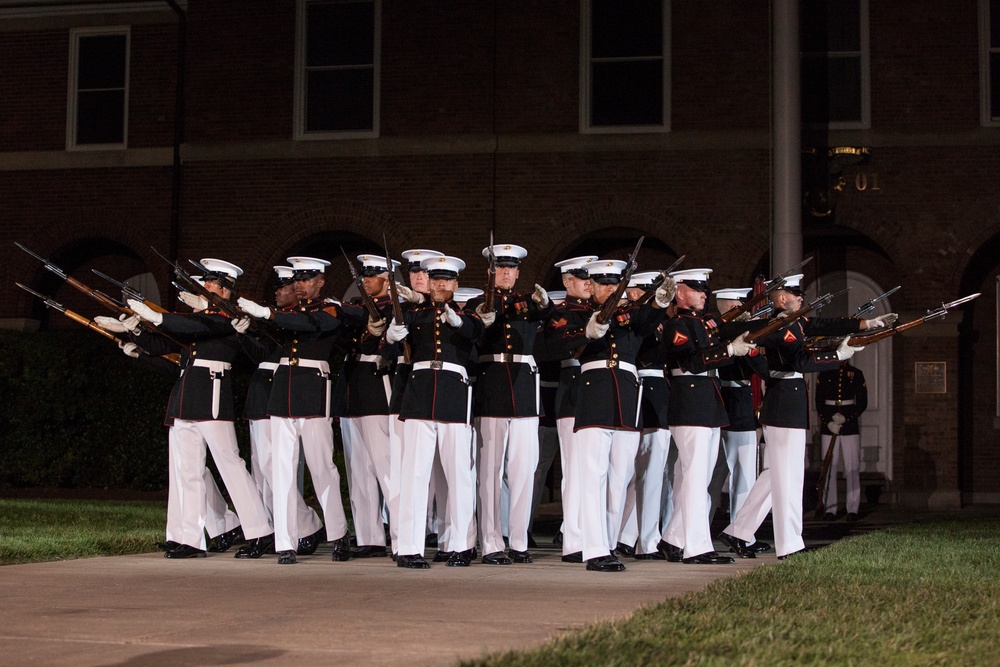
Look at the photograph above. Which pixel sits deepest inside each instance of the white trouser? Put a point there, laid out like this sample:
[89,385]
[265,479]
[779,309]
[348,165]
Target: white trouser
[671,480]
[569,490]
[368,470]
[779,484]
[191,439]
[260,442]
[548,445]
[218,517]
[739,449]
[641,523]
[697,452]
[605,466]
[847,447]
[317,449]
[421,439]
[395,462]
[508,449]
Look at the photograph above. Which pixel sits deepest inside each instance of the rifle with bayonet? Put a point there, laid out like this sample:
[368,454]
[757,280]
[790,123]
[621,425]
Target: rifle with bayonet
[863,339]
[651,290]
[88,323]
[609,307]
[779,323]
[373,312]
[397,308]
[869,306]
[491,278]
[777,283]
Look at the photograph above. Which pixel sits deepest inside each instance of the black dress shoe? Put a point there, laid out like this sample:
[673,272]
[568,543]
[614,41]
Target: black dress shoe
[760,547]
[531,542]
[414,562]
[184,551]
[672,553]
[521,556]
[557,539]
[656,555]
[227,539]
[287,558]
[605,564]
[738,546]
[307,545]
[442,556]
[368,551]
[625,550]
[341,550]
[168,545]
[256,547]
[575,557]
[708,558]
[829,516]
[495,558]
[794,553]
[462,558]
[852,517]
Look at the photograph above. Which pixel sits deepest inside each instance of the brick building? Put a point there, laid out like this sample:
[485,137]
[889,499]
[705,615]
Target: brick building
[262,129]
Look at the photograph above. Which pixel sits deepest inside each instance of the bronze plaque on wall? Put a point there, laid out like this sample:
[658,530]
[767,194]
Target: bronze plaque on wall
[931,377]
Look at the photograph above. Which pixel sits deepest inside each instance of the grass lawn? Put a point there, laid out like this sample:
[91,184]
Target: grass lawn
[918,594]
[32,531]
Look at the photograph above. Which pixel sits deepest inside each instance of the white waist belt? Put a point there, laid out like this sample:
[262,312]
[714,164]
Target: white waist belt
[677,372]
[441,366]
[786,375]
[508,359]
[216,370]
[401,359]
[566,363]
[849,401]
[267,366]
[735,384]
[624,365]
[650,373]
[369,358]
[306,363]
[214,366]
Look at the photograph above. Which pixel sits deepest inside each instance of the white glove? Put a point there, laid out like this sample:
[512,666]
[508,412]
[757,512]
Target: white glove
[845,350]
[130,322]
[450,317]
[254,309]
[396,332]
[110,324]
[541,297]
[743,317]
[145,312]
[376,327]
[665,292]
[886,320]
[488,318]
[594,328]
[838,418]
[130,349]
[740,347]
[241,324]
[193,301]
[834,427]
[408,294]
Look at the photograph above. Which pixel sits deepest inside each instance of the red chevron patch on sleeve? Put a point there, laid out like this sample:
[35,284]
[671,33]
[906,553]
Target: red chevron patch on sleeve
[679,338]
[789,337]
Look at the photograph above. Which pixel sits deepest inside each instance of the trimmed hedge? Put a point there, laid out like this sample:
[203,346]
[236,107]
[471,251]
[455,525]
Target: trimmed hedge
[75,412]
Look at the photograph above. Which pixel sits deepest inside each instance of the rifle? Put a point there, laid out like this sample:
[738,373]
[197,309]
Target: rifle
[609,307]
[88,323]
[779,323]
[491,278]
[861,340]
[97,295]
[373,312]
[868,307]
[824,473]
[651,291]
[777,283]
[397,309]
[128,291]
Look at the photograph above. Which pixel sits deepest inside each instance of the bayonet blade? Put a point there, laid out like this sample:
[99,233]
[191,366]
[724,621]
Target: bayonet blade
[959,302]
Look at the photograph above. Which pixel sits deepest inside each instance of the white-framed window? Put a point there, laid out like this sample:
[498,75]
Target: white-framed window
[989,68]
[97,107]
[624,66]
[337,69]
[833,37]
